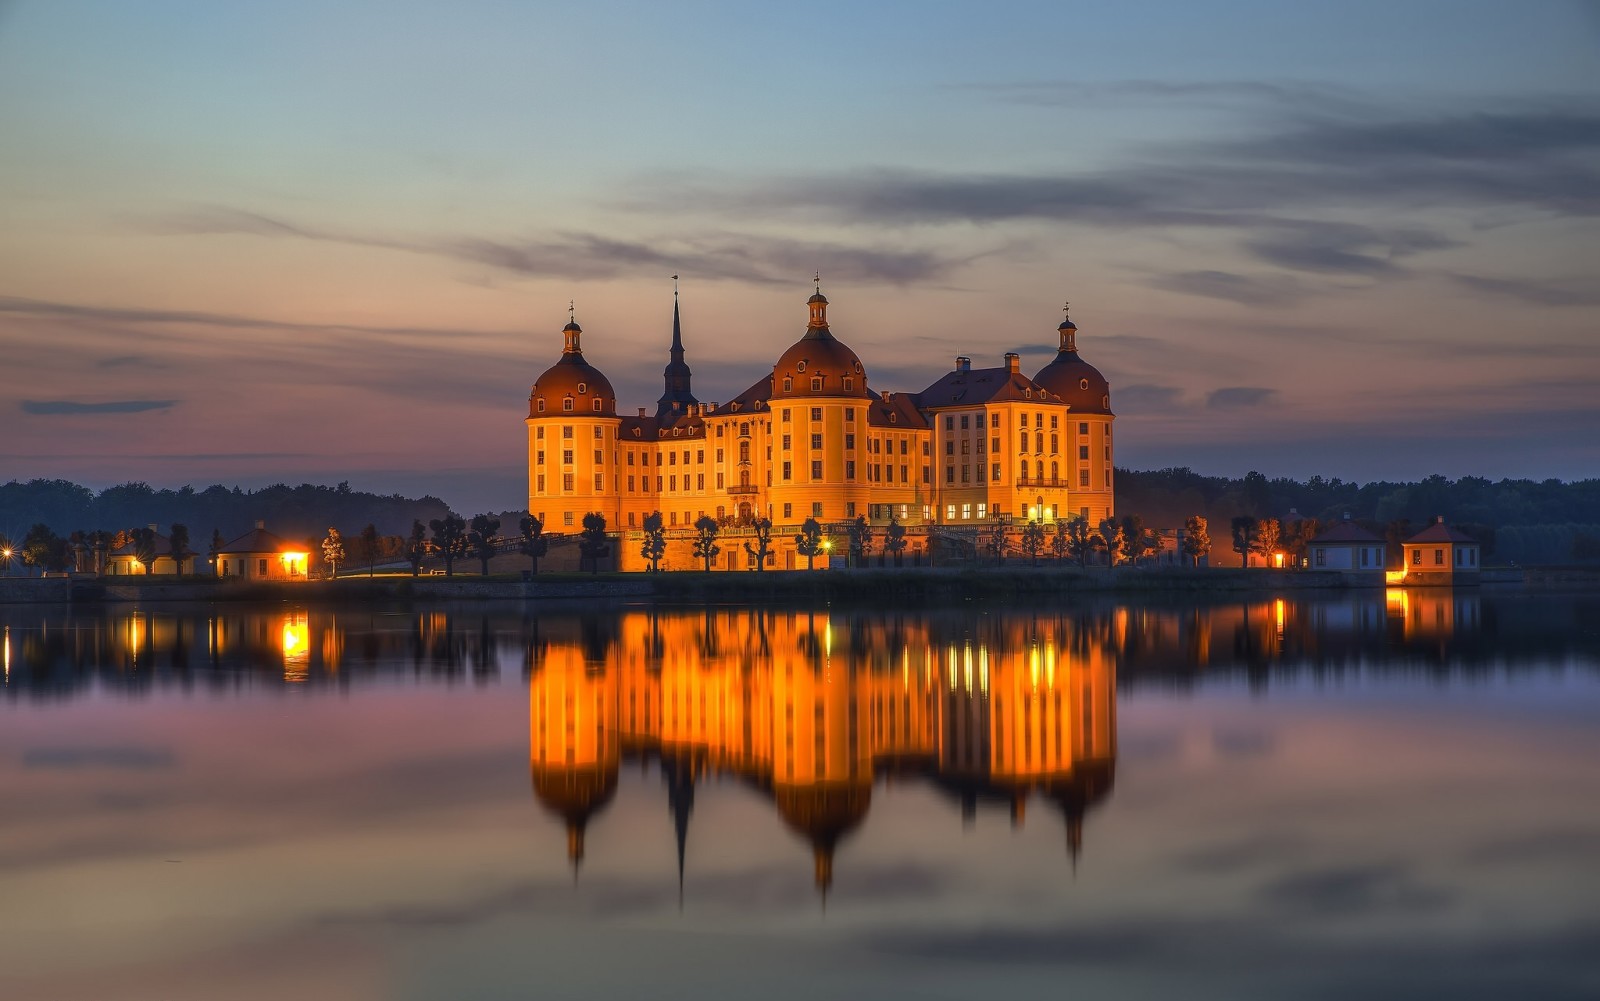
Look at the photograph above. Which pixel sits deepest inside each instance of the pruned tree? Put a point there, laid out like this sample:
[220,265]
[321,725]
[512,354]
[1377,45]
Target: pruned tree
[654,544]
[370,544]
[1245,528]
[144,547]
[705,544]
[860,536]
[1032,541]
[333,551]
[1196,539]
[1115,543]
[1137,539]
[1061,540]
[449,540]
[763,543]
[178,546]
[534,544]
[417,546]
[809,542]
[592,542]
[894,538]
[482,538]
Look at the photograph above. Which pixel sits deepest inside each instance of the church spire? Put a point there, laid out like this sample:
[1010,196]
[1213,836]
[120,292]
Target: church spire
[676,396]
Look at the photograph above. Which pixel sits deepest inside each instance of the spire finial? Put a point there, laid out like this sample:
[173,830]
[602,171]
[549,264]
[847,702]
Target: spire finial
[572,311]
[1065,310]
[674,286]
[817,278]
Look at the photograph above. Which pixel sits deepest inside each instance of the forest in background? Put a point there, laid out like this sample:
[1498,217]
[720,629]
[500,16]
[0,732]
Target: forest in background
[1527,521]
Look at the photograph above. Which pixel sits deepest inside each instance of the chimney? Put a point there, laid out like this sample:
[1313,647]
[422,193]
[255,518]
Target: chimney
[1013,362]
[963,363]
[261,525]
[1438,519]
[1347,516]
[711,408]
[152,526]
[886,396]
[641,411]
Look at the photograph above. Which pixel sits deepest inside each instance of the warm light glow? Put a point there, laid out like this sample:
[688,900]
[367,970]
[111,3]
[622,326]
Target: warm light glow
[1393,576]
[294,564]
[1277,610]
[7,645]
[296,643]
[1277,559]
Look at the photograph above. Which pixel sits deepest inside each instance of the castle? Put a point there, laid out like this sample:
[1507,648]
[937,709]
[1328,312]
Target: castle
[813,439]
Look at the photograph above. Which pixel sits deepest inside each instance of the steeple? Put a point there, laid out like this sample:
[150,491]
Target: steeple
[676,395]
[571,332]
[817,324]
[1068,331]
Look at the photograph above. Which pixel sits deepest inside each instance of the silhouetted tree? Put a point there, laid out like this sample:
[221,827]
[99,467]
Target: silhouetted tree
[705,544]
[894,538]
[449,540]
[370,544]
[482,538]
[1137,539]
[654,544]
[534,544]
[999,536]
[1115,543]
[333,551]
[1061,540]
[1269,533]
[809,542]
[214,550]
[1032,541]
[44,549]
[1081,540]
[1297,537]
[1196,539]
[144,547]
[860,536]
[592,543]
[178,546]
[1245,528]
[763,544]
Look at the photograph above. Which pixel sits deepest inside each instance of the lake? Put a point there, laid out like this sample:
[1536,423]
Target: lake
[1386,794]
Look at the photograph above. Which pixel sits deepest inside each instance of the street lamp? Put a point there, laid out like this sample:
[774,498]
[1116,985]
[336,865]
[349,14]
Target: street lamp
[5,561]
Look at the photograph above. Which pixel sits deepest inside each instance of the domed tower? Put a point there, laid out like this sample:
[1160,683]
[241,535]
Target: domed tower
[572,438]
[1088,398]
[676,397]
[819,403]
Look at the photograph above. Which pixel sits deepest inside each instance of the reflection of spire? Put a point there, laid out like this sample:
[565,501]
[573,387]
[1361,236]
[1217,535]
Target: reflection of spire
[680,775]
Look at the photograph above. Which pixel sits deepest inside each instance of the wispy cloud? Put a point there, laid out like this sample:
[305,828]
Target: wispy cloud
[1538,293]
[1249,290]
[59,407]
[1298,95]
[1234,397]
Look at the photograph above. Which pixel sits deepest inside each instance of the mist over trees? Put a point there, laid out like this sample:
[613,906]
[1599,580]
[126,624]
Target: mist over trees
[292,512]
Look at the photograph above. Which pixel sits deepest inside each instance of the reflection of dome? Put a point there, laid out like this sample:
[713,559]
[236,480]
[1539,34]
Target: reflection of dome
[1076,381]
[823,815]
[818,355]
[575,795]
[575,379]
[1089,784]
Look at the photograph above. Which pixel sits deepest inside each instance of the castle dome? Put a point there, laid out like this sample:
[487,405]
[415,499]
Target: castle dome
[1079,384]
[818,355]
[572,378]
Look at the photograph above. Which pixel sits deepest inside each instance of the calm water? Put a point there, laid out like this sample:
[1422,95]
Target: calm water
[1385,796]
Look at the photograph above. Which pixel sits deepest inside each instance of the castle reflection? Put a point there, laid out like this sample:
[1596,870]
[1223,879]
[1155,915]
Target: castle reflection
[810,708]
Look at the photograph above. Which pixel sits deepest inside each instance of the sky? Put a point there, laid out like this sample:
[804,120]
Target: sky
[297,241]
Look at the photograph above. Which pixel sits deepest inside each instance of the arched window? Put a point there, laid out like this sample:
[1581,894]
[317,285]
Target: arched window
[788,384]
[744,451]
[816,384]
[1055,471]
[541,404]
[597,403]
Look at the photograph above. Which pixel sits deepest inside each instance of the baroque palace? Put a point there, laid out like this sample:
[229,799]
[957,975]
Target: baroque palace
[813,439]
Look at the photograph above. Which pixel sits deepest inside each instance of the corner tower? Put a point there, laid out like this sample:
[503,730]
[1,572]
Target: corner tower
[1088,397]
[572,437]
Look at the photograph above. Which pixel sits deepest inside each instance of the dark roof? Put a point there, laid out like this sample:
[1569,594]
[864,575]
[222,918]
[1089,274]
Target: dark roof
[163,547]
[901,406]
[259,540]
[1440,532]
[978,386]
[1346,531]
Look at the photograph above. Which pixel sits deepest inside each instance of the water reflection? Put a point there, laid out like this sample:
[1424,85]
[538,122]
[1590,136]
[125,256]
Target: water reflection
[809,709]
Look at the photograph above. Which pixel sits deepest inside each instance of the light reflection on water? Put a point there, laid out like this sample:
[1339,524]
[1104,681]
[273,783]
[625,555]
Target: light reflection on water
[1264,797]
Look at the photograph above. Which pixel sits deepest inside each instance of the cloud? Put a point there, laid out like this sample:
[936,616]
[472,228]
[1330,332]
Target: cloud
[1352,889]
[1537,293]
[1147,397]
[742,257]
[57,407]
[122,758]
[1299,95]
[1239,396]
[1248,290]
[1343,248]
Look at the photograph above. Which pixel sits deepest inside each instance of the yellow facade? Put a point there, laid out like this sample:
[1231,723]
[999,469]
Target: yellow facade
[812,440]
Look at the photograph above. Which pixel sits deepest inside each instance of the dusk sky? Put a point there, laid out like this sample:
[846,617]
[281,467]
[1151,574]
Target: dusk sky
[251,243]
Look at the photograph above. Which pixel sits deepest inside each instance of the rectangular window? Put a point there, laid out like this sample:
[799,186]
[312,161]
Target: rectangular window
[1438,557]
[950,447]
[599,456]
[672,482]
[784,414]
[719,453]
[541,483]
[949,474]
[966,422]
[966,512]
[816,413]
[599,482]
[1472,557]
[658,484]
[788,470]
[850,509]
[262,567]
[982,511]
[849,412]
[949,422]
[566,430]
[1083,478]
[816,509]
[566,517]
[966,473]
[1416,557]
[1054,421]
[699,481]
[927,474]
[1083,427]
[700,455]
[816,469]
[567,482]
[903,443]
[1366,554]
[994,420]
[788,443]
[994,445]
[849,441]
[994,472]
[539,434]
[599,434]
[1322,556]
[903,478]
[816,441]
[719,481]
[850,469]
[566,456]
[540,455]
[981,472]
[1055,444]
[788,509]
[1083,452]
[950,512]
